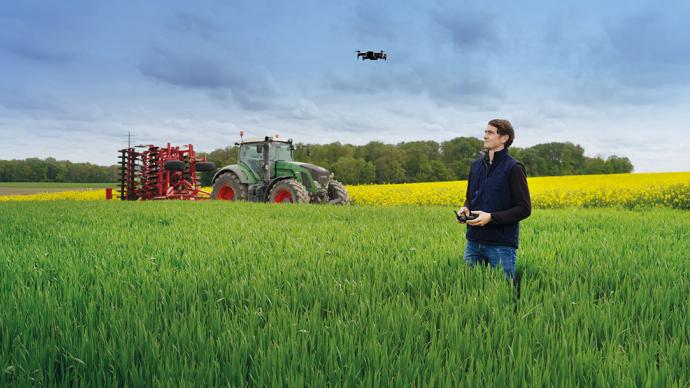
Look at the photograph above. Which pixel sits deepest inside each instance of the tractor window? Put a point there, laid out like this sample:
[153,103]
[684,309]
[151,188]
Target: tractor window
[280,151]
[248,152]
[252,158]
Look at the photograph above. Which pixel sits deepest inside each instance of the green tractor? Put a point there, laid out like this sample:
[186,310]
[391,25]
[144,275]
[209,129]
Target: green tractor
[265,172]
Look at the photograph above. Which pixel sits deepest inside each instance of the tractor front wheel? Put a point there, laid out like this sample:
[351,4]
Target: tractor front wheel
[337,195]
[289,191]
[229,188]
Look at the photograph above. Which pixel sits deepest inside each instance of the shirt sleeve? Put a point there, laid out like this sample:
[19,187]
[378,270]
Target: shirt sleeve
[522,204]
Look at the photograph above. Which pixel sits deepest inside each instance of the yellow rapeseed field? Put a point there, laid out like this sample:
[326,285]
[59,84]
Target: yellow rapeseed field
[622,190]
[75,195]
[625,190]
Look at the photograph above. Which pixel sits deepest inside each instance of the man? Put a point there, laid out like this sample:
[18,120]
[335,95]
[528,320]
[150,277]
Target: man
[498,195]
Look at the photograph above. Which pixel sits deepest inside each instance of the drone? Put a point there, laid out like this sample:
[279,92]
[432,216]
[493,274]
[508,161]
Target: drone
[371,55]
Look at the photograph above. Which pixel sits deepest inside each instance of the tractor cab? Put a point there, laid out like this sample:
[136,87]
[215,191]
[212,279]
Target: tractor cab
[260,156]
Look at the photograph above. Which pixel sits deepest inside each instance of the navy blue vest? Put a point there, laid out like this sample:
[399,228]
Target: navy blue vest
[489,187]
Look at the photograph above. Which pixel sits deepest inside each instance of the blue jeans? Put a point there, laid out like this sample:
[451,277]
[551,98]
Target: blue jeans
[494,255]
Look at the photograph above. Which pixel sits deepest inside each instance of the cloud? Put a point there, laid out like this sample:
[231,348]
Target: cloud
[423,52]
[35,51]
[305,110]
[469,29]
[372,22]
[21,105]
[442,84]
[46,32]
[376,78]
[354,124]
[21,101]
[203,26]
[476,90]
[217,75]
[22,40]
[652,35]
[636,56]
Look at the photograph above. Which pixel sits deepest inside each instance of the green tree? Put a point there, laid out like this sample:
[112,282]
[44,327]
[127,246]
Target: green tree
[389,167]
[372,151]
[554,159]
[459,153]
[619,165]
[440,171]
[417,157]
[595,165]
[354,171]
[328,154]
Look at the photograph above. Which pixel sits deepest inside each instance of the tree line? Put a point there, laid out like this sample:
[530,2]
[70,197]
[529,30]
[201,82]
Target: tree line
[52,170]
[375,162]
[430,161]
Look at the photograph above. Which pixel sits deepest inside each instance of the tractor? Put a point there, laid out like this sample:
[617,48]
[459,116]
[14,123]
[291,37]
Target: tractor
[266,172]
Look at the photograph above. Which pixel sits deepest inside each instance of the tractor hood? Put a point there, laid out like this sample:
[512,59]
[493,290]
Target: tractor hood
[318,173]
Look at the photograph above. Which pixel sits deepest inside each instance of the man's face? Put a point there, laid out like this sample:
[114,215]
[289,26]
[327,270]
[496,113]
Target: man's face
[492,140]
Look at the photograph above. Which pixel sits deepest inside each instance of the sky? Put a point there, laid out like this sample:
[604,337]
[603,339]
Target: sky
[77,76]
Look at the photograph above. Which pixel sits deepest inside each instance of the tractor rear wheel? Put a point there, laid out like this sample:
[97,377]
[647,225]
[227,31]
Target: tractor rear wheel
[229,188]
[289,191]
[337,195]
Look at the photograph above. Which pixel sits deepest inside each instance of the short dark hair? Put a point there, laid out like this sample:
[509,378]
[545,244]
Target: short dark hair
[504,127]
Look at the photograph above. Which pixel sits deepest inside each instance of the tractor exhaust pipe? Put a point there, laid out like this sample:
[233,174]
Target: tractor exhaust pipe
[267,169]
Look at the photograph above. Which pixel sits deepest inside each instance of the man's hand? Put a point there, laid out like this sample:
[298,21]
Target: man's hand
[482,219]
[465,211]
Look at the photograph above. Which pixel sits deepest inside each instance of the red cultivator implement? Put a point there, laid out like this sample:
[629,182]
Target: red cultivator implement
[161,173]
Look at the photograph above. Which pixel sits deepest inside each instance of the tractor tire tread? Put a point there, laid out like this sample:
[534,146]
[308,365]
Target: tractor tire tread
[205,166]
[230,179]
[174,165]
[336,190]
[299,192]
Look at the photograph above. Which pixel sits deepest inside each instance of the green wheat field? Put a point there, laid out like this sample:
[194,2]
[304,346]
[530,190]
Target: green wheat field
[216,293]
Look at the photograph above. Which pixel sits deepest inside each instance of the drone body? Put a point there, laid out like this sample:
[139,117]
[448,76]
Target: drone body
[371,55]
